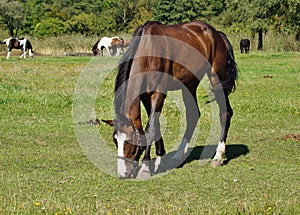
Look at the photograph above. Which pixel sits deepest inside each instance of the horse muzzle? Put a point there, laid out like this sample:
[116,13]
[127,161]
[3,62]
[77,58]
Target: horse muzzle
[127,168]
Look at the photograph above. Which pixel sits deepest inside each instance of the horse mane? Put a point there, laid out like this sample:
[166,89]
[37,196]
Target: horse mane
[231,67]
[124,71]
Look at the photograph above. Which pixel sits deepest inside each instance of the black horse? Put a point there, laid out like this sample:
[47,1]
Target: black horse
[245,45]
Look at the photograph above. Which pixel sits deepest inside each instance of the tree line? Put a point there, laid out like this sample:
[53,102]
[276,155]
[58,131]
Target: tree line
[45,18]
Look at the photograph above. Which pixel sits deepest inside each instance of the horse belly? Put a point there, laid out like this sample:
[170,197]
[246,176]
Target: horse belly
[180,81]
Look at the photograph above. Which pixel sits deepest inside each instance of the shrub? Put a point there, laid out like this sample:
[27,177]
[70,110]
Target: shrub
[49,27]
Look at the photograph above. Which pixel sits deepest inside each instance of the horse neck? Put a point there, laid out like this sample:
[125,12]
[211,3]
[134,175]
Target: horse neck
[124,81]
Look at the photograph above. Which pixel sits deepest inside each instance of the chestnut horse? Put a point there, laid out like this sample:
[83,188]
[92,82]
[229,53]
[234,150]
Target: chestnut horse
[161,58]
[22,43]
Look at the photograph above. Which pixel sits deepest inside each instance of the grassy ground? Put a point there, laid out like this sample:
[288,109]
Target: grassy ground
[44,171]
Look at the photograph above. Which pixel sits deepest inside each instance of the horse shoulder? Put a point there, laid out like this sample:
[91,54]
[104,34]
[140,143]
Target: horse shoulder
[22,41]
[104,41]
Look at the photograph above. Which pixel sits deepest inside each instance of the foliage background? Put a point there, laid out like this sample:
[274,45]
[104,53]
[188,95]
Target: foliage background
[44,18]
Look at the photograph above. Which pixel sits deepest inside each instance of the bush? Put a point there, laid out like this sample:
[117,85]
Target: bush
[49,27]
[83,23]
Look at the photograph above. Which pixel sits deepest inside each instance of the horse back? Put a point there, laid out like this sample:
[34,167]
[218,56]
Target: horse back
[14,43]
[185,51]
[245,43]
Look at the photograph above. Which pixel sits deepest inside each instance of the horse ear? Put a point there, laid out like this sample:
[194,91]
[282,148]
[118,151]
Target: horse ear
[109,122]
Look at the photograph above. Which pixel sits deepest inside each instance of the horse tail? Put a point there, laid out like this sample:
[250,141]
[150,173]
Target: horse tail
[122,42]
[231,68]
[124,70]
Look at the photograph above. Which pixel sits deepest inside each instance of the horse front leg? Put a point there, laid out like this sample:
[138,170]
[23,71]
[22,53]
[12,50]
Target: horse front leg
[8,54]
[23,54]
[152,130]
[108,52]
[153,104]
[159,143]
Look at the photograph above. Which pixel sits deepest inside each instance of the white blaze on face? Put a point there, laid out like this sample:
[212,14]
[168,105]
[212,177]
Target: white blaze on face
[122,170]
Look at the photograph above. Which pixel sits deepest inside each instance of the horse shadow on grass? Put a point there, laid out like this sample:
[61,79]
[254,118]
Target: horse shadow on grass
[201,153]
[207,152]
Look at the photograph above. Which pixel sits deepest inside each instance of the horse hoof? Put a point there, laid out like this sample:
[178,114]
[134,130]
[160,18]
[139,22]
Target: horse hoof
[144,173]
[216,163]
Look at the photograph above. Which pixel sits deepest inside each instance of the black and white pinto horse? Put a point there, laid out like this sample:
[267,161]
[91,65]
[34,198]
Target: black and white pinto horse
[245,45]
[109,43]
[22,43]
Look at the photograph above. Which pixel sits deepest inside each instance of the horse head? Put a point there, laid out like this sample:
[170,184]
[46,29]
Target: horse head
[95,49]
[125,137]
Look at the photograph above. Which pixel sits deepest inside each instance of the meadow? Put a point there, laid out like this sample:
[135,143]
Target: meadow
[43,169]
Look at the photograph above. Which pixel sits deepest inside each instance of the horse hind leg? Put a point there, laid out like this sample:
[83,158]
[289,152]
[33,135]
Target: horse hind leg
[247,50]
[192,117]
[225,118]
[226,113]
[23,54]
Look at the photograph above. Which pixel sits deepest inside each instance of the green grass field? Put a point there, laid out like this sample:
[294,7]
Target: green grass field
[43,169]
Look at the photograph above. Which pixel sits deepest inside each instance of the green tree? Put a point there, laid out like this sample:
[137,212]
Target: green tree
[260,16]
[143,12]
[11,15]
[82,24]
[49,27]
[106,23]
[177,11]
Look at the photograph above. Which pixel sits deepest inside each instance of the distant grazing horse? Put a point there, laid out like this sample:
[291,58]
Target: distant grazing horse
[245,45]
[114,43]
[161,58]
[126,44]
[22,43]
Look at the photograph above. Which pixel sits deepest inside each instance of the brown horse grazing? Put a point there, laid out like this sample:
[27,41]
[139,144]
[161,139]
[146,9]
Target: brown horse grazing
[161,58]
